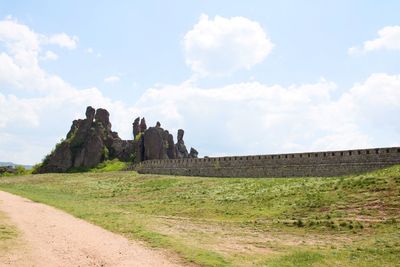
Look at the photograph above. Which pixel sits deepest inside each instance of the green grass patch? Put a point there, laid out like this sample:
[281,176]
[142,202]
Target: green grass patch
[105,166]
[8,234]
[110,166]
[298,258]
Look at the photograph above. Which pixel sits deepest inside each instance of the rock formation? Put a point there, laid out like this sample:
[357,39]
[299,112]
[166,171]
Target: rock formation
[154,144]
[171,151]
[181,151]
[193,153]
[143,126]
[91,141]
[157,143]
[136,127]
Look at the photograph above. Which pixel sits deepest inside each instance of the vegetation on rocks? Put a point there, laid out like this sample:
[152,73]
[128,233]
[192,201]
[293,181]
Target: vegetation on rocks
[337,221]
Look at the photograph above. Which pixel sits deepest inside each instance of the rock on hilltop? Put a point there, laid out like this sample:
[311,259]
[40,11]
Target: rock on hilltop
[91,141]
[157,143]
[88,142]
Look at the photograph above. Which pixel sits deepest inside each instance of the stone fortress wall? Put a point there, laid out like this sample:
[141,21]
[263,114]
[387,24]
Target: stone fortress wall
[328,163]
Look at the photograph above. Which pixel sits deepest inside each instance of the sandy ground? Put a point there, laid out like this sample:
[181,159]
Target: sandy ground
[50,237]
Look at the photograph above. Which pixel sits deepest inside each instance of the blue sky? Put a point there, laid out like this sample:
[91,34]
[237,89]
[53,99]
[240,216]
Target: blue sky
[241,77]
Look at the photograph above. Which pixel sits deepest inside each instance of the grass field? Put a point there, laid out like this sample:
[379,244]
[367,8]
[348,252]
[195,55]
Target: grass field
[8,234]
[338,221]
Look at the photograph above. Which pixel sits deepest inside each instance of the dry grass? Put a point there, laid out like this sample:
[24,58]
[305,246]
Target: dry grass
[8,235]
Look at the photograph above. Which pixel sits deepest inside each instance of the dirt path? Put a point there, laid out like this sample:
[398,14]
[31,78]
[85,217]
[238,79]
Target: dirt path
[51,237]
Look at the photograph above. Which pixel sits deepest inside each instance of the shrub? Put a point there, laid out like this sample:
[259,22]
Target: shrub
[36,168]
[17,170]
[105,153]
[138,137]
[299,223]
[21,170]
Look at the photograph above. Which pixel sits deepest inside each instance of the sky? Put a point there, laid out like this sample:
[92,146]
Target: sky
[240,77]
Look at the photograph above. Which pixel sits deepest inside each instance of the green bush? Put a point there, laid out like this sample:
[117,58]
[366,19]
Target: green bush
[19,170]
[138,137]
[299,223]
[105,153]
[36,167]
[110,165]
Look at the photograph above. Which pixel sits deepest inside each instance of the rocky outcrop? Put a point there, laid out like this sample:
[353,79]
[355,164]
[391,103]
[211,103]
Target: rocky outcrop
[158,144]
[60,160]
[171,151]
[193,153]
[143,126]
[181,151]
[91,141]
[138,145]
[136,127]
[155,144]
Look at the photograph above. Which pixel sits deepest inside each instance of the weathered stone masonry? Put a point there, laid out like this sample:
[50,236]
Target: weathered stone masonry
[329,163]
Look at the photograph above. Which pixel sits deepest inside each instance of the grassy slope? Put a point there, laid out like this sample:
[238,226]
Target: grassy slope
[342,221]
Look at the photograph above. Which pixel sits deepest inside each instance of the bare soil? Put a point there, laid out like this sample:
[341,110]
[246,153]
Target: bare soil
[50,237]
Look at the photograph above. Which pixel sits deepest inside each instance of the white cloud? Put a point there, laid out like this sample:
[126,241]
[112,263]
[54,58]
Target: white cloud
[389,39]
[41,117]
[62,40]
[377,102]
[21,42]
[252,118]
[112,79]
[221,45]
[50,55]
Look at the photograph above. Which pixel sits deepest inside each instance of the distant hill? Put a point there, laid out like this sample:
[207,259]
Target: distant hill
[14,164]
